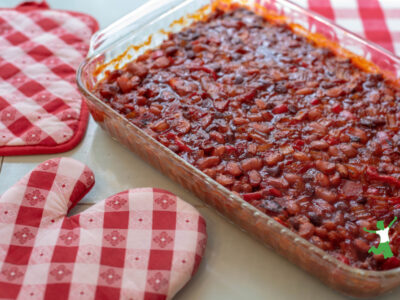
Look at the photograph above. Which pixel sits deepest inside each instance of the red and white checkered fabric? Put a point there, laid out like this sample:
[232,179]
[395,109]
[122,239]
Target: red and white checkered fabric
[139,244]
[375,20]
[41,109]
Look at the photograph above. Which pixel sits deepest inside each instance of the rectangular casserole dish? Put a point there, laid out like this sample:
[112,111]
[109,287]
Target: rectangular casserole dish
[144,29]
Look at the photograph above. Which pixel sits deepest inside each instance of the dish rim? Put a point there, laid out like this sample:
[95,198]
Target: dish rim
[94,54]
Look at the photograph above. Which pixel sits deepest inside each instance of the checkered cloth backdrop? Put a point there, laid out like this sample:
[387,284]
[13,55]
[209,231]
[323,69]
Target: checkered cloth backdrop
[41,109]
[375,20]
[139,244]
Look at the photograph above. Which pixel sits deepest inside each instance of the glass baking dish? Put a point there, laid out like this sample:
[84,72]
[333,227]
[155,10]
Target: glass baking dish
[146,28]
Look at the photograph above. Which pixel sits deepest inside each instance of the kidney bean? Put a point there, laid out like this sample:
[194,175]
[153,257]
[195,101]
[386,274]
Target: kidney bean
[171,51]
[280,109]
[359,133]
[329,225]
[156,54]
[258,138]
[322,180]
[225,180]
[325,167]
[279,183]
[352,188]
[319,145]
[160,126]
[210,172]
[138,69]
[233,168]
[319,155]
[335,179]
[254,178]
[156,109]
[353,172]
[251,164]
[304,91]
[333,151]
[161,62]
[361,246]
[293,178]
[321,232]
[347,115]
[372,122]
[286,149]
[274,192]
[166,44]
[306,230]
[264,147]
[261,127]
[348,150]
[271,159]
[252,149]
[219,151]
[301,156]
[322,206]
[240,121]
[141,101]
[318,128]
[261,104]
[241,187]
[292,207]
[254,115]
[342,170]
[208,162]
[182,126]
[127,84]
[252,196]
[301,115]
[326,194]
[217,136]
[334,91]
[182,87]
[314,114]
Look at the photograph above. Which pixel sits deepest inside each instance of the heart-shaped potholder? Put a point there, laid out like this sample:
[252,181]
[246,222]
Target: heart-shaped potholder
[139,244]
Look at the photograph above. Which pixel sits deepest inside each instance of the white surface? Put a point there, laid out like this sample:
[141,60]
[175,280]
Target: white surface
[235,266]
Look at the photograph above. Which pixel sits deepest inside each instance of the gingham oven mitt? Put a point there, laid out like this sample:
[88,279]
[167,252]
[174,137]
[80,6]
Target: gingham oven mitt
[41,109]
[139,244]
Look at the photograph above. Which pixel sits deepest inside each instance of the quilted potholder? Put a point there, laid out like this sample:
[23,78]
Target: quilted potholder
[41,110]
[139,244]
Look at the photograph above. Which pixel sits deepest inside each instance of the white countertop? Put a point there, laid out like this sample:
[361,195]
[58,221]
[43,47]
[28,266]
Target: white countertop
[235,266]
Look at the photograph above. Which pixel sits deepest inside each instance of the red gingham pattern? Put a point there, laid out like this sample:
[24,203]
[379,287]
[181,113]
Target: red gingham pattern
[139,244]
[41,110]
[375,20]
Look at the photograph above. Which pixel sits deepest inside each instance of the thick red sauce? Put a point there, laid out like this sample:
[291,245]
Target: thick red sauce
[300,133]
